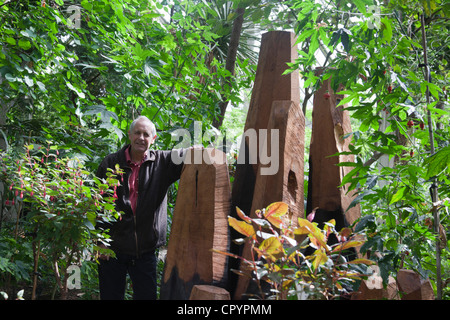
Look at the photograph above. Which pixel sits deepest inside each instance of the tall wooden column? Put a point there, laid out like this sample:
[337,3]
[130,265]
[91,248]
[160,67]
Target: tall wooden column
[277,49]
[200,223]
[286,184]
[330,125]
[274,105]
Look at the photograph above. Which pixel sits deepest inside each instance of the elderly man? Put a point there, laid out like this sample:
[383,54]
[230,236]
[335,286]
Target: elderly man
[142,197]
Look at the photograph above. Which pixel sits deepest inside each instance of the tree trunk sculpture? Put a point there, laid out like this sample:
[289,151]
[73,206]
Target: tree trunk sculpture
[199,225]
[330,130]
[277,49]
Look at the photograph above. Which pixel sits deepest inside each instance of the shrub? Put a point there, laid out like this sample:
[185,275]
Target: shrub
[62,203]
[278,255]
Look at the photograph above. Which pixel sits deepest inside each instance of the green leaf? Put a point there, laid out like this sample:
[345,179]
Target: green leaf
[358,198]
[360,5]
[10,78]
[399,195]
[41,86]
[438,162]
[24,44]
[88,224]
[366,221]
[387,30]
[28,33]
[11,41]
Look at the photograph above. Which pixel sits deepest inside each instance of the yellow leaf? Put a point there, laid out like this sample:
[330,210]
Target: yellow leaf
[319,258]
[301,230]
[286,284]
[303,223]
[363,261]
[277,208]
[274,212]
[242,215]
[347,245]
[242,227]
[274,220]
[329,227]
[316,236]
[271,248]
[349,274]
[345,233]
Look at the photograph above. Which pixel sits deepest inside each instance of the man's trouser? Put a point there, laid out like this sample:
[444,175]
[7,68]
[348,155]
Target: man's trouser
[112,276]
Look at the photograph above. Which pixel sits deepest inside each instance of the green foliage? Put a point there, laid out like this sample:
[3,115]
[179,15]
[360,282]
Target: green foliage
[80,82]
[277,256]
[377,55]
[61,204]
[15,258]
[85,80]
[76,74]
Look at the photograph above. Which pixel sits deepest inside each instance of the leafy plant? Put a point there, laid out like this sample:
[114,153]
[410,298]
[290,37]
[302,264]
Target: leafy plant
[62,204]
[279,255]
[393,64]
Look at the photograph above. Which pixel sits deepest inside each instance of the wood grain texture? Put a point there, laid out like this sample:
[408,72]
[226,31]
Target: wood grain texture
[199,224]
[287,183]
[206,292]
[330,129]
[277,49]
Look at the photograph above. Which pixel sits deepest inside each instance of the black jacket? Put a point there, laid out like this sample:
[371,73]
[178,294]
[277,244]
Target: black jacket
[144,231]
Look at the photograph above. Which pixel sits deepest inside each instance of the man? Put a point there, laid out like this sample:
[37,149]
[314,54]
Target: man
[142,197]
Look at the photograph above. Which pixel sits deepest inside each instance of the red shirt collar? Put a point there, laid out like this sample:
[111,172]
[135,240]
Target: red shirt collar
[128,157]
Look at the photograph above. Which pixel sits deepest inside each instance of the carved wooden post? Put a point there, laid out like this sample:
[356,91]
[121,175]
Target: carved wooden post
[277,49]
[205,292]
[283,181]
[329,126]
[413,287]
[373,289]
[274,107]
[199,224]
[286,184]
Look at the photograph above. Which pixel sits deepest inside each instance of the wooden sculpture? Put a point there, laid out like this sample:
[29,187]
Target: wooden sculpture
[287,183]
[199,224]
[274,109]
[277,49]
[330,130]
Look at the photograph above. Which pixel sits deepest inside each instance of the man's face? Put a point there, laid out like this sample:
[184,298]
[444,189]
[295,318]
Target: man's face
[141,136]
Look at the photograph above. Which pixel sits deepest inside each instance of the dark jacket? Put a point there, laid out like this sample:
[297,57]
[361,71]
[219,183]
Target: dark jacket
[144,231]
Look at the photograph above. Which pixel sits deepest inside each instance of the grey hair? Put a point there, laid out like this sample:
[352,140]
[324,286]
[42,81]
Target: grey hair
[152,125]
